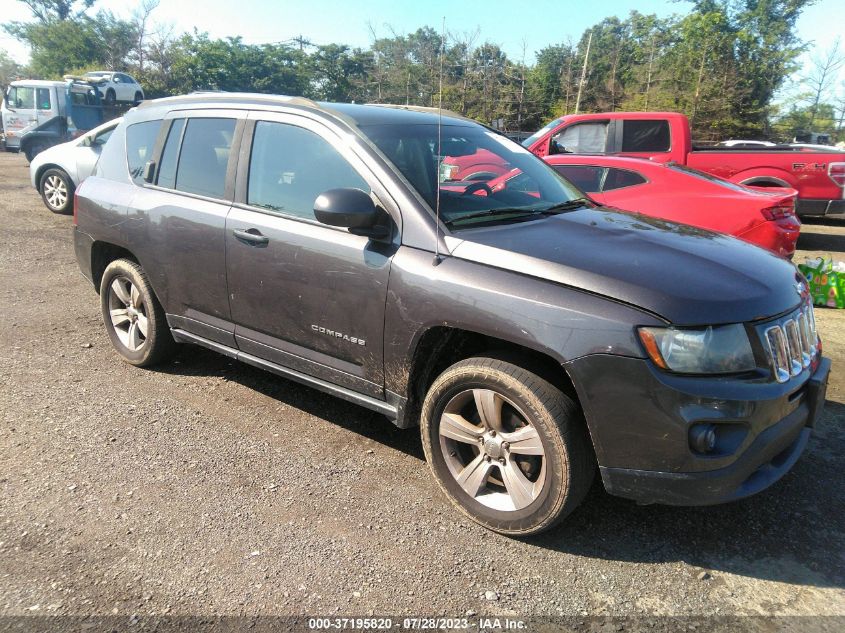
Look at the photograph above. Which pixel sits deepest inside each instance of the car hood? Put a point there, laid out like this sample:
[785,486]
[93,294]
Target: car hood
[686,275]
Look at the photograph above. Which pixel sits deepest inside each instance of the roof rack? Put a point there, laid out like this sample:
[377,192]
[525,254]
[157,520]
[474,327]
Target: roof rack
[221,95]
[426,109]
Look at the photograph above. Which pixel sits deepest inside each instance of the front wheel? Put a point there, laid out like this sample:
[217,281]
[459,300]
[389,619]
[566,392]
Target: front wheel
[57,191]
[134,319]
[507,448]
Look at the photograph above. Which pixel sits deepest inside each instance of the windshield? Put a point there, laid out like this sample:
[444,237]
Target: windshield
[482,174]
[546,128]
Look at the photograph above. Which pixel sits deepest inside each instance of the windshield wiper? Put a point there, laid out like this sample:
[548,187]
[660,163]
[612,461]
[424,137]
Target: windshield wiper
[517,212]
[514,212]
[569,205]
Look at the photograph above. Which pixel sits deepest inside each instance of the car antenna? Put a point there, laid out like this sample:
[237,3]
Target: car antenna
[437,258]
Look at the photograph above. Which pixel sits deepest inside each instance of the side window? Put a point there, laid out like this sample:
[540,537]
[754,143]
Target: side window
[291,166]
[205,157]
[140,141]
[102,137]
[167,169]
[587,178]
[22,98]
[645,136]
[583,138]
[620,178]
[43,99]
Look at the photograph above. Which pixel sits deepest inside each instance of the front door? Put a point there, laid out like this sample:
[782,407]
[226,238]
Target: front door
[305,295]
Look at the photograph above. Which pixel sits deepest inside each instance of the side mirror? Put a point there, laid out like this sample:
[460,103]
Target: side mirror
[149,171]
[349,208]
[86,141]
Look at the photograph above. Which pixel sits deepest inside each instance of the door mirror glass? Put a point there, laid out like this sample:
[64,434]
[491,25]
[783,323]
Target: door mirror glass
[346,207]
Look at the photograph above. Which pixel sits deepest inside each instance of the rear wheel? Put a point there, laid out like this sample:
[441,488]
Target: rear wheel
[507,448]
[139,97]
[57,191]
[134,318]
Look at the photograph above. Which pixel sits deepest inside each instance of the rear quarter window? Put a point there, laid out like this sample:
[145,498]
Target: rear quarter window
[140,141]
[621,178]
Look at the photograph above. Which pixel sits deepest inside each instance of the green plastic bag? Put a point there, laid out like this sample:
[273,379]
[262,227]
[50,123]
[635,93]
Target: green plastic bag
[827,286]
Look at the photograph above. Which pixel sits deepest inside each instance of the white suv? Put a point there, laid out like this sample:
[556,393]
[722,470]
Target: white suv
[117,86]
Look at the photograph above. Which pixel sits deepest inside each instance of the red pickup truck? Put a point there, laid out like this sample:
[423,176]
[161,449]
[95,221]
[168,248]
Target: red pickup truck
[817,175]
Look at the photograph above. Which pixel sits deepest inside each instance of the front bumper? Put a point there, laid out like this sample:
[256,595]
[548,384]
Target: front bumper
[647,457]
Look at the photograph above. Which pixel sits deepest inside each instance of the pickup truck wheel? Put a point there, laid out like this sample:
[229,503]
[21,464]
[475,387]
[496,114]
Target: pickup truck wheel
[34,149]
[506,447]
[56,189]
[134,318]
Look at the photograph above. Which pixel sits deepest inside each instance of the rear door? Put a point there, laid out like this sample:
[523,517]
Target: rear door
[305,295]
[184,216]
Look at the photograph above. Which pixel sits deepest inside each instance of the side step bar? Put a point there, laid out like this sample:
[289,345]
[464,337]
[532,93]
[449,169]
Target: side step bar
[181,336]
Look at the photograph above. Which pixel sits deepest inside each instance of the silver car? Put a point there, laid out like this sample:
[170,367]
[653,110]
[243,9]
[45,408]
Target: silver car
[57,171]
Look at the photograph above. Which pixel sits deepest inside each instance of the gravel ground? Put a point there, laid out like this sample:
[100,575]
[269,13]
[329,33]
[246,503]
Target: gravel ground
[209,487]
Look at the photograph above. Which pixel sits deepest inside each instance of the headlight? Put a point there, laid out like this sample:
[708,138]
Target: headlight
[712,350]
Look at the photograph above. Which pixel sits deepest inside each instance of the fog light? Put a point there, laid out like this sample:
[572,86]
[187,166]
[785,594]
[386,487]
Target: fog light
[702,438]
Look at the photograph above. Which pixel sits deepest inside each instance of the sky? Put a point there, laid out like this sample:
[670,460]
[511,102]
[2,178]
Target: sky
[509,23]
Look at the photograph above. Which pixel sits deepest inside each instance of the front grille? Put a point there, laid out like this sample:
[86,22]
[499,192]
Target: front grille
[792,343]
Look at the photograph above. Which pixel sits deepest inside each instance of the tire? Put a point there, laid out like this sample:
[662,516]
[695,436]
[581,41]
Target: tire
[57,189]
[516,492]
[34,149]
[110,97]
[139,306]
[138,97]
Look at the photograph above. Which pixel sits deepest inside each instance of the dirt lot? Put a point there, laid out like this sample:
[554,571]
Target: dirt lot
[209,487]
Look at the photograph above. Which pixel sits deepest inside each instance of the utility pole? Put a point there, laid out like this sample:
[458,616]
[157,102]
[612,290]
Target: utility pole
[648,79]
[583,74]
[302,41]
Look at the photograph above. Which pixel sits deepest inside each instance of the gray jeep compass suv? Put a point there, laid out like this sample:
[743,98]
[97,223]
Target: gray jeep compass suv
[531,334]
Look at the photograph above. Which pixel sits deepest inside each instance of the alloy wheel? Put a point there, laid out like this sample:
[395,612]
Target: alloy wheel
[55,191]
[492,450]
[128,314]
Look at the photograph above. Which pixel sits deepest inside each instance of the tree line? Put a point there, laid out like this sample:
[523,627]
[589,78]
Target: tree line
[723,63]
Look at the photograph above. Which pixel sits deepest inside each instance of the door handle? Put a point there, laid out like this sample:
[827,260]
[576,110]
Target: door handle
[253,236]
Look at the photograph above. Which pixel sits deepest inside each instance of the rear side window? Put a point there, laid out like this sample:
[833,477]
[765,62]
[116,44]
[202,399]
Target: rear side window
[621,178]
[645,136]
[205,157]
[588,178]
[167,170]
[291,166]
[583,138]
[140,141]
[42,101]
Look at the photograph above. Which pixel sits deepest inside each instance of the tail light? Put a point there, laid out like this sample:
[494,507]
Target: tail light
[783,209]
[75,207]
[836,171]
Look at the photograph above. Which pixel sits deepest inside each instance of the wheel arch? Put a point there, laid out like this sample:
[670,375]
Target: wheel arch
[103,254]
[39,174]
[765,178]
[439,347]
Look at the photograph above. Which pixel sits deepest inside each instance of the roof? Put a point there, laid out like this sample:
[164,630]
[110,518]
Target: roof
[356,114]
[43,83]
